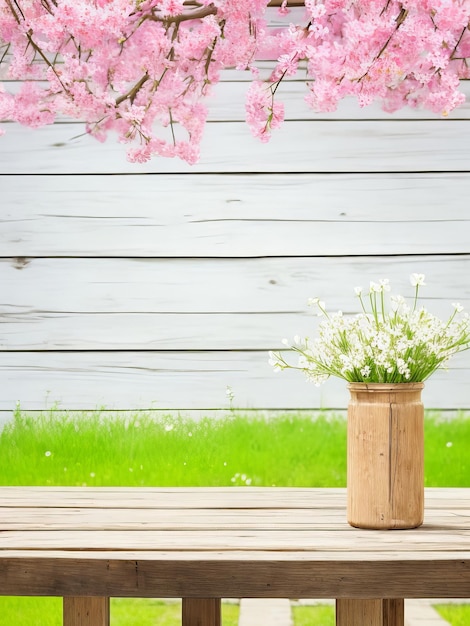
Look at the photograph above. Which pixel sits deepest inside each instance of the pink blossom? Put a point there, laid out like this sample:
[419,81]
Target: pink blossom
[143,69]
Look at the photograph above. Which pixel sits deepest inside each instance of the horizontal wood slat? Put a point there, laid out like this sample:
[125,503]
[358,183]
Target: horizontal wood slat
[432,561]
[185,380]
[438,499]
[227,102]
[197,304]
[265,285]
[77,519]
[234,215]
[323,146]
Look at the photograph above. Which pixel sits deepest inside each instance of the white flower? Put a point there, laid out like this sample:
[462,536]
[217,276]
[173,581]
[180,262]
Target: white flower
[392,342]
[358,291]
[285,341]
[457,306]
[417,280]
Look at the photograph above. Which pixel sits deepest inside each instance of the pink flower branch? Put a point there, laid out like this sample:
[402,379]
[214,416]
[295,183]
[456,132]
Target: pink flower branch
[142,69]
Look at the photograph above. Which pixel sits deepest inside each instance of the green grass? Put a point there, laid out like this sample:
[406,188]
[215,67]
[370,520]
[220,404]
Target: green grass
[290,450]
[455,614]
[321,615]
[59,448]
[124,612]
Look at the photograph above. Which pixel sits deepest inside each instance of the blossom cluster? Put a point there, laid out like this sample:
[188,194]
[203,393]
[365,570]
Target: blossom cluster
[398,52]
[139,67]
[390,341]
[143,68]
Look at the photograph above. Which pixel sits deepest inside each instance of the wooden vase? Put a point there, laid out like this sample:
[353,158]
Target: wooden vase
[385,455]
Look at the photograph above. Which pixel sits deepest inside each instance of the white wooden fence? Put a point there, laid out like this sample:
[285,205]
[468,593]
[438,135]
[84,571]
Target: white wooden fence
[157,285]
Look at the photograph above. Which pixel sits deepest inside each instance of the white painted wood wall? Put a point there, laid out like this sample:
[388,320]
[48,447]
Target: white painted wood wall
[157,285]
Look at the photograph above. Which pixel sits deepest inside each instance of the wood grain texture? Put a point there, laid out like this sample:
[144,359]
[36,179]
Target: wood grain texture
[234,215]
[86,611]
[385,474]
[184,380]
[370,612]
[231,285]
[322,562]
[305,146]
[201,612]
[227,101]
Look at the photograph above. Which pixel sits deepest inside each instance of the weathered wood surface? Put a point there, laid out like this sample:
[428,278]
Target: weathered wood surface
[288,561]
[86,611]
[370,612]
[184,380]
[190,278]
[201,612]
[234,215]
[227,102]
[230,285]
[305,146]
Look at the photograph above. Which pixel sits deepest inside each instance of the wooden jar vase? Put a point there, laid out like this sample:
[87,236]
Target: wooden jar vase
[385,455]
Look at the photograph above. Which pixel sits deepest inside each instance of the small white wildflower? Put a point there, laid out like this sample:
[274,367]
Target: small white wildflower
[457,306]
[169,427]
[285,342]
[374,287]
[190,434]
[248,481]
[47,453]
[385,284]
[358,291]
[449,444]
[417,280]
[225,463]
[313,301]
[297,339]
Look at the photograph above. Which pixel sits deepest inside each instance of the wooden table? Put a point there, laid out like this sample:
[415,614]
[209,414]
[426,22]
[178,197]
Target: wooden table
[89,544]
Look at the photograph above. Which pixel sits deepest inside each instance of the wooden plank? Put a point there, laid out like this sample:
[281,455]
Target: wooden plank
[444,499]
[242,576]
[265,285]
[345,146]
[227,101]
[185,380]
[86,611]
[341,540]
[370,612]
[145,331]
[248,304]
[52,519]
[201,612]
[234,215]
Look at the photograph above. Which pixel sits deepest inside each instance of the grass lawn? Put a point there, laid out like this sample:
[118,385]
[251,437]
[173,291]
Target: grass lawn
[455,614]
[140,450]
[291,450]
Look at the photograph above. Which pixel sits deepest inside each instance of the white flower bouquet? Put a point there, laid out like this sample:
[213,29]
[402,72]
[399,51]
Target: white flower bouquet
[393,342]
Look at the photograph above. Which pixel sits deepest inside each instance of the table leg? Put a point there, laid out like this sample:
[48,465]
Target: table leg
[201,612]
[370,612]
[86,611]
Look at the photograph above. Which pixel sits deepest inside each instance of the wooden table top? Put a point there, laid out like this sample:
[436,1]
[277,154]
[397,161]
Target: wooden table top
[225,542]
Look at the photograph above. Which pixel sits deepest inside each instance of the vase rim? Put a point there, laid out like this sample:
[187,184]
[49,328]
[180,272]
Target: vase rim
[385,386]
